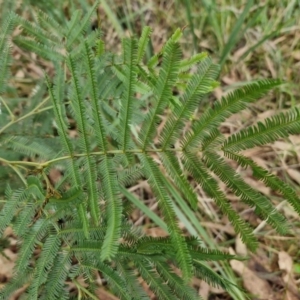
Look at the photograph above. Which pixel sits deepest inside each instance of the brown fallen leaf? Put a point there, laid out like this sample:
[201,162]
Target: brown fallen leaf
[204,290]
[285,263]
[252,283]
[294,174]
[7,262]
[105,295]
[240,247]
[296,54]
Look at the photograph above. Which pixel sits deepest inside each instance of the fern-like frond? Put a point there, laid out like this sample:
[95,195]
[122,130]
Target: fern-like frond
[113,208]
[268,178]
[60,114]
[162,90]
[172,166]
[129,253]
[97,116]
[163,245]
[143,43]
[129,176]
[176,284]
[5,60]
[205,254]
[29,147]
[84,219]
[15,283]
[276,127]
[117,282]
[151,277]
[211,188]
[38,33]
[7,27]
[207,274]
[55,285]
[128,101]
[71,197]
[198,86]
[51,26]
[151,245]
[187,63]
[40,49]
[253,198]
[89,162]
[135,290]
[77,27]
[182,256]
[62,128]
[15,199]
[146,77]
[233,103]
[75,230]
[24,219]
[37,232]
[44,264]
[212,140]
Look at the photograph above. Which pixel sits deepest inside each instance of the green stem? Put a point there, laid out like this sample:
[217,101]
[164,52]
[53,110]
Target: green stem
[8,109]
[81,288]
[11,165]
[33,112]
[98,153]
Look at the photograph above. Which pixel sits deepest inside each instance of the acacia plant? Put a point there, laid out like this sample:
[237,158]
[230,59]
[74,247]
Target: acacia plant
[134,119]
